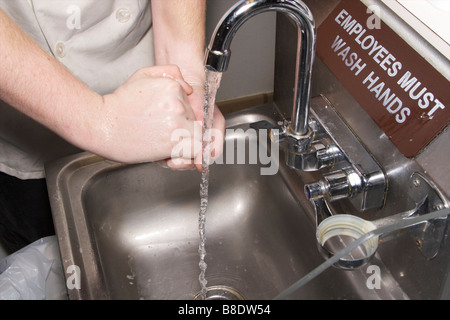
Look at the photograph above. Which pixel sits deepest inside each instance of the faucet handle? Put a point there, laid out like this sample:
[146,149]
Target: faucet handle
[279,133]
[336,185]
[321,209]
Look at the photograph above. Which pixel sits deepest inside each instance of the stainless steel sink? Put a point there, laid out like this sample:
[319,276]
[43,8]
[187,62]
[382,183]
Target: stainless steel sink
[132,230]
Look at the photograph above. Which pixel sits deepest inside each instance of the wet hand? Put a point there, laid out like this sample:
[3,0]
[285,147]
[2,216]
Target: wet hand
[197,100]
[141,117]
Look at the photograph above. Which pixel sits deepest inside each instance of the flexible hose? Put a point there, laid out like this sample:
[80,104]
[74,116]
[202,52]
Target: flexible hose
[404,223]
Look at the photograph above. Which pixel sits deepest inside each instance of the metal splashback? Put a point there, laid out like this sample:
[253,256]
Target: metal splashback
[433,158]
[422,275]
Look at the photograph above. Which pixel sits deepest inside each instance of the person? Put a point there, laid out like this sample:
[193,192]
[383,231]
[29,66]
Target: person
[115,78]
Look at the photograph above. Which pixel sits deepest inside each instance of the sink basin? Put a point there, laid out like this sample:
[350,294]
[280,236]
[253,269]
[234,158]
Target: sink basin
[132,230]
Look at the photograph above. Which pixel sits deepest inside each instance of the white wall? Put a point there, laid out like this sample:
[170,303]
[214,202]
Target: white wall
[251,68]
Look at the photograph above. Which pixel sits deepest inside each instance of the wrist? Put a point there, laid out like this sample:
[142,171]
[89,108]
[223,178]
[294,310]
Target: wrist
[192,69]
[87,127]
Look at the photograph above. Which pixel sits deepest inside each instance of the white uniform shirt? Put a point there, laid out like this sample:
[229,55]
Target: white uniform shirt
[102,42]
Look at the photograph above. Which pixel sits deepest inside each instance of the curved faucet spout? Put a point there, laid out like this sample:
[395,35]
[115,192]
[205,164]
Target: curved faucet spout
[218,53]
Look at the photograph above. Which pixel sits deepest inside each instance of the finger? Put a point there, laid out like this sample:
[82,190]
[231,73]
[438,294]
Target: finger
[162,163]
[215,151]
[186,148]
[176,164]
[217,139]
[198,162]
[186,144]
[180,164]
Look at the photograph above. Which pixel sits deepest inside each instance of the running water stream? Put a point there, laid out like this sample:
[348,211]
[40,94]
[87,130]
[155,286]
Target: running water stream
[212,84]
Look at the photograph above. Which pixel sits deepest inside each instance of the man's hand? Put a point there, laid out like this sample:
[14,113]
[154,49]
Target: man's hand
[179,37]
[142,117]
[133,124]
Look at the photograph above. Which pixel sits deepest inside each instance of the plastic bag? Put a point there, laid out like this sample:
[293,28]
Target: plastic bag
[33,273]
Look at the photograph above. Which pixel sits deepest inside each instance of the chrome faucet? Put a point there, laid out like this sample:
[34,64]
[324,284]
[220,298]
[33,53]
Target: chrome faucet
[297,132]
[324,140]
[315,142]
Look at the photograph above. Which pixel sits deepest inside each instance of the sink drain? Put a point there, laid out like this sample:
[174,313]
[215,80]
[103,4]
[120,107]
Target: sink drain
[220,293]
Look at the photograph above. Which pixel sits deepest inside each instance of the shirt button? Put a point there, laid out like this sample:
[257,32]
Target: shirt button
[123,15]
[60,50]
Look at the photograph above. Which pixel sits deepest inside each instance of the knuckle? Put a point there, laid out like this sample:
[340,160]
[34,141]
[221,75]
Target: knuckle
[176,106]
[141,73]
[175,126]
[173,87]
[174,68]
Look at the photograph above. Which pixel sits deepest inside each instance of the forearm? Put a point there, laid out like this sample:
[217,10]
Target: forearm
[179,36]
[133,124]
[39,86]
